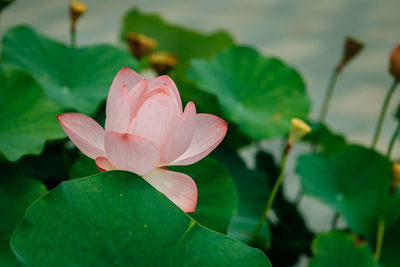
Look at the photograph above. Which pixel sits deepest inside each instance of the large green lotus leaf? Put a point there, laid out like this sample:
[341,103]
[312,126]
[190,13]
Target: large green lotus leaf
[353,181]
[74,78]
[260,94]
[217,200]
[185,44]
[341,249]
[253,191]
[17,192]
[117,218]
[27,118]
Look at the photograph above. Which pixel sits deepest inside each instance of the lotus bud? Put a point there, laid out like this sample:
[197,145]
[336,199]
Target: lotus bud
[163,62]
[394,66]
[395,176]
[351,48]
[76,9]
[5,3]
[140,45]
[298,131]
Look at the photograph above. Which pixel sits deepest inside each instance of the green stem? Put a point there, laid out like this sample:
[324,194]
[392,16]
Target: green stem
[379,238]
[392,141]
[328,95]
[272,195]
[381,223]
[383,113]
[73,36]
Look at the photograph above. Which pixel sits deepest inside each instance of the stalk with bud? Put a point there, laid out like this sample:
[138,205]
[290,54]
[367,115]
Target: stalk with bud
[394,70]
[298,130]
[76,10]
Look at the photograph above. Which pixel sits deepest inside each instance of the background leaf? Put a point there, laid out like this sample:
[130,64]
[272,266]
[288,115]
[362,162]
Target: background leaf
[253,190]
[341,249]
[52,165]
[27,118]
[217,200]
[351,182]
[17,192]
[323,137]
[117,217]
[260,94]
[76,79]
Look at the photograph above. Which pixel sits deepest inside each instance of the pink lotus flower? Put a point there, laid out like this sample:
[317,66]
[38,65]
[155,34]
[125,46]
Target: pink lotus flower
[145,131]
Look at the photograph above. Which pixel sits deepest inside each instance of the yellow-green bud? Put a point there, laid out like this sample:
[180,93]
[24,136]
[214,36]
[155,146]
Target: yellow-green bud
[395,174]
[298,131]
[76,9]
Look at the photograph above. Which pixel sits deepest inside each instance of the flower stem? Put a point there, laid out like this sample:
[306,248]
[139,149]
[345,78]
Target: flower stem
[328,95]
[272,195]
[379,238]
[392,141]
[73,36]
[383,113]
[381,223]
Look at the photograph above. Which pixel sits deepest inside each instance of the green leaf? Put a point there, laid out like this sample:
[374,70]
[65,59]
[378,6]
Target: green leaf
[253,190]
[323,137]
[76,79]
[217,199]
[352,181]
[260,94]
[185,44]
[17,192]
[27,118]
[340,249]
[117,217]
